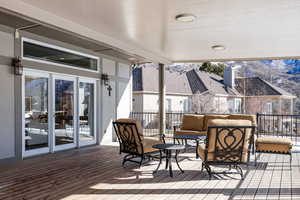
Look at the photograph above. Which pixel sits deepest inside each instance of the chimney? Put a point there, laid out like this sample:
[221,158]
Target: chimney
[229,76]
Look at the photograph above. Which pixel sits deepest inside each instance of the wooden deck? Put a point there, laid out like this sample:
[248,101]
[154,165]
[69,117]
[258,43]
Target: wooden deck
[95,173]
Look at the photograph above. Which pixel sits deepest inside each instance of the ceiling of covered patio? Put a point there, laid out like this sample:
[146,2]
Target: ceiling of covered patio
[247,29]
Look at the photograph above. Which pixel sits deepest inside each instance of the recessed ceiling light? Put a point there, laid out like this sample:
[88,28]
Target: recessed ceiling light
[218,47]
[185,17]
[132,59]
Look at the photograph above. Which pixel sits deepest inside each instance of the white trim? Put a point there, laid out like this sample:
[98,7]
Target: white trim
[51,110]
[43,150]
[94,141]
[23,39]
[70,145]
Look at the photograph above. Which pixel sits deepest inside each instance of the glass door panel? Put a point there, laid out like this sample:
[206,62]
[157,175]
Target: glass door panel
[36,112]
[86,97]
[64,101]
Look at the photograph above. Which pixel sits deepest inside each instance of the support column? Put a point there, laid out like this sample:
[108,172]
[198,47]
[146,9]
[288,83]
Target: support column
[292,107]
[162,96]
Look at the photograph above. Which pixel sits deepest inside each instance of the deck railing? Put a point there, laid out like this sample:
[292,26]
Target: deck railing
[279,125]
[267,124]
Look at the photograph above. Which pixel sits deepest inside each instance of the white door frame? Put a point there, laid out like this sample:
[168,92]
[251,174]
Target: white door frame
[94,141]
[74,144]
[43,150]
[51,111]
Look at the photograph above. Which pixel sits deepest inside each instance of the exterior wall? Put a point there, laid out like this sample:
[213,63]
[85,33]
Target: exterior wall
[137,102]
[268,105]
[149,103]
[7,111]
[118,104]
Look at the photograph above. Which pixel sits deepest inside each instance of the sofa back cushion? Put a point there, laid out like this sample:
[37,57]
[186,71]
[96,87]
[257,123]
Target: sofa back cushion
[192,122]
[208,118]
[229,142]
[251,118]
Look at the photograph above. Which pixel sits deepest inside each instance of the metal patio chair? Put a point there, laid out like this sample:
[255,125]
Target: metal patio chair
[133,143]
[228,143]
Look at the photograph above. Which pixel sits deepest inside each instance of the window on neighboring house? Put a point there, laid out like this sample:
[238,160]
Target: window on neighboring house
[230,105]
[169,105]
[186,105]
[238,106]
[269,108]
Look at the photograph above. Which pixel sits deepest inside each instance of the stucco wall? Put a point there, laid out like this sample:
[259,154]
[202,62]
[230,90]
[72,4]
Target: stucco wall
[149,103]
[7,112]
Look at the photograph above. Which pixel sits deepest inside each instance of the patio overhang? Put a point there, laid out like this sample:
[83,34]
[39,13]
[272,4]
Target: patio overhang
[248,30]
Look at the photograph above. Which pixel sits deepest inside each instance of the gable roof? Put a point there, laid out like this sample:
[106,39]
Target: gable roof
[255,86]
[214,84]
[197,82]
[146,79]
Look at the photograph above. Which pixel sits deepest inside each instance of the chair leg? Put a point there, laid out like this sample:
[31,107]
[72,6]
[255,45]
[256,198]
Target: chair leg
[240,171]
[208,169]
[141,162]
[202,167]
[125,159]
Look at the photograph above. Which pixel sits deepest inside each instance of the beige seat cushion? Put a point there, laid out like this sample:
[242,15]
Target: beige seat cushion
[274,144]
[212,137]
[252,118]
[192,122]
[207,118]
[190,132]
[148,142]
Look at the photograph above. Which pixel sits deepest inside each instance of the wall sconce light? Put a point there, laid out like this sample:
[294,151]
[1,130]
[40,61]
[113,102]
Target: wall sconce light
[105,80]
[18,67]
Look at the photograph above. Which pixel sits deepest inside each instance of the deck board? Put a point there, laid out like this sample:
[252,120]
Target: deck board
[95,173]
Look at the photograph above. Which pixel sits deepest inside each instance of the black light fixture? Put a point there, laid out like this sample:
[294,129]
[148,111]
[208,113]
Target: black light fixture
[18,67]
[105,80]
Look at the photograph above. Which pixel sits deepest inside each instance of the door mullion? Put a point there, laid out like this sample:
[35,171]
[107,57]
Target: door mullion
[51,115]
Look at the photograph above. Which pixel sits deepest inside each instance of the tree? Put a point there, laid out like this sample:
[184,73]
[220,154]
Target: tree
[215,68]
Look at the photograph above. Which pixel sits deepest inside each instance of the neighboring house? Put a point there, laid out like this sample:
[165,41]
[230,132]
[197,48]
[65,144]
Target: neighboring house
[263,97]
[202,92]
[145,91]
[211,95]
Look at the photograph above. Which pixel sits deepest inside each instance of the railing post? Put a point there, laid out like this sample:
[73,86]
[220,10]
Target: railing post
[162,95]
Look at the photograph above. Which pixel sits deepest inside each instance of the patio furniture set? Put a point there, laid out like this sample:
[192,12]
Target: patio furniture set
[225,140]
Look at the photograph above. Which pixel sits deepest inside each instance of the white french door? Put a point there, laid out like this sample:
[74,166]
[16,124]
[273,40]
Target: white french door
[64,112]
[59,112]
[86,111]
[36,113]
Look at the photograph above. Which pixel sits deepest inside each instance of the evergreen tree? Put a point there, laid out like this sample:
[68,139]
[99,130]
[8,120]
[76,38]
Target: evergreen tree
[215,68]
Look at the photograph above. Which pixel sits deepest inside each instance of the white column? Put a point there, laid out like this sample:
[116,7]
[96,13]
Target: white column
[162,96]
[292,107]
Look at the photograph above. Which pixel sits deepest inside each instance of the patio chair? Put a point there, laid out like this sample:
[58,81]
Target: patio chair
[133,143]
[228,143]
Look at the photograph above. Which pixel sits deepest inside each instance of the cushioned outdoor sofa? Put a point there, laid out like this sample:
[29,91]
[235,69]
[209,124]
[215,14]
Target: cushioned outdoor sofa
[194,124]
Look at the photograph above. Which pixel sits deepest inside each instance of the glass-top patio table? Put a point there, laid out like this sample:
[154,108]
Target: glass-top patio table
[186,137]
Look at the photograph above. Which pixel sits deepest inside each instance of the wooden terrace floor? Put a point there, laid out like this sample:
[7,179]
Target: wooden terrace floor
[95,173]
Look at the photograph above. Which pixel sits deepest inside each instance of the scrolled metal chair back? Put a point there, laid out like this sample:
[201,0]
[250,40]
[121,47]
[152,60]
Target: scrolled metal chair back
[230,143]
[129,138]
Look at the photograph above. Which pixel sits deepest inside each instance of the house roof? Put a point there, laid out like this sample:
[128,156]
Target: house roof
[146,79]
[213,83]
[256,86]
[197,82]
